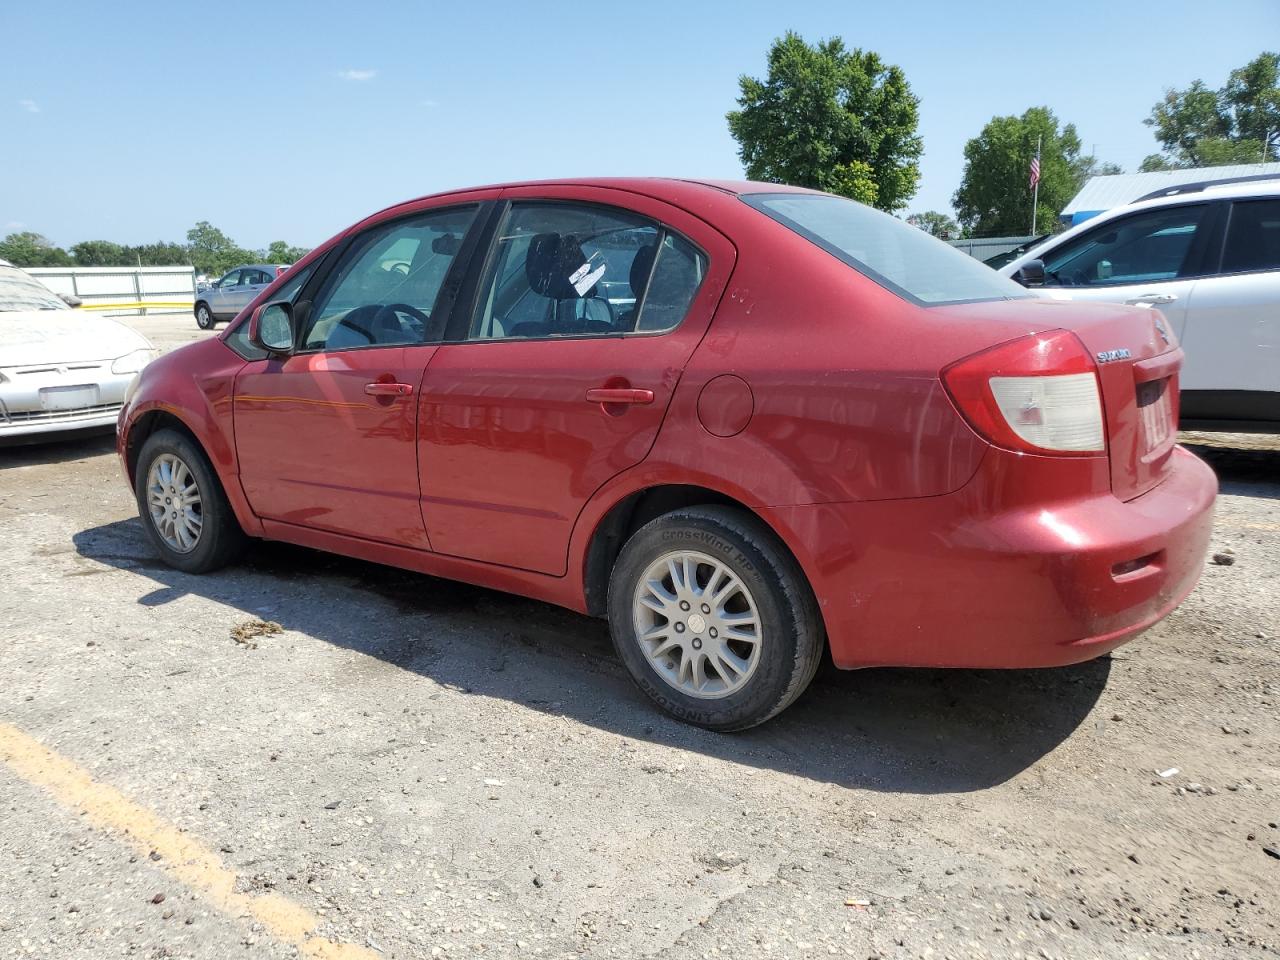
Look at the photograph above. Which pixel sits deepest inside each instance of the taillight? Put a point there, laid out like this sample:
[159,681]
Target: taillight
[1037,394]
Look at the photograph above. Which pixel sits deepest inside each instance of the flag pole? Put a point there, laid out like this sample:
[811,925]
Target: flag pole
[1035,195]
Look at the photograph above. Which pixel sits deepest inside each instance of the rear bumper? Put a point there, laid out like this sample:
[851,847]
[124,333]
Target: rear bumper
[1002,573]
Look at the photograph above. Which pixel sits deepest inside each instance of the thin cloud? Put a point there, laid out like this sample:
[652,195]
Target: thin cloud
[429,103]
[29,105]
[357,76]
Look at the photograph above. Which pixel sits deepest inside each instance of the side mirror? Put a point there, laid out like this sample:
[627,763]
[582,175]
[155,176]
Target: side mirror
[271,328]
[70,299]
[1031,274]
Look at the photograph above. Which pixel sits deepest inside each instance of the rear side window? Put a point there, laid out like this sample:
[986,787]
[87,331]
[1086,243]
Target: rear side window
[896,255]
[1143,248]
[1253,237]
[579,270]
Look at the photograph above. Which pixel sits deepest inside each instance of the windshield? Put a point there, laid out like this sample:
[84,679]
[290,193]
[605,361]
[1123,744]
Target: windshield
[18,291]
[896,255]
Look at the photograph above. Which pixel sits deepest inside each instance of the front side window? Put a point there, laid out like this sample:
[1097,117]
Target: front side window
[231,279]
[384,292]
[901,258]
[1143,248]
[576,270]
[1253,237]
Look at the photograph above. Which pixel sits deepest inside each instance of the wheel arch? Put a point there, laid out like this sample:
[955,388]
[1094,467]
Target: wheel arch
[161,417]
[632,510]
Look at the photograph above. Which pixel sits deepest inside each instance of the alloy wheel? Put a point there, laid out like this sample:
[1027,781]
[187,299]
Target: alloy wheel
[697,624]
[173,497]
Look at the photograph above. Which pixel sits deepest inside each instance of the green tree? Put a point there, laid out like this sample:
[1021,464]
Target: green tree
[831,119]
[158,254]
[99,253]
[1239,123]
[281,252]
[935,224]
[28,249]
[212,251]
[995,195]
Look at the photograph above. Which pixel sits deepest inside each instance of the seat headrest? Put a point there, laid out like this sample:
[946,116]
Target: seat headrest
[551,260]
[641,266]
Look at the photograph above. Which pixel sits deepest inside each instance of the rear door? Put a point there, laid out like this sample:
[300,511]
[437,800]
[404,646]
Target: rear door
[255,282]
[1148,258]
[326,438]
[1233,325]
[558,377]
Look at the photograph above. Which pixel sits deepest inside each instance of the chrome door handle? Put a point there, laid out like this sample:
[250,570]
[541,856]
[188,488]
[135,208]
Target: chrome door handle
[619,395]
[1154,298]
[388,389]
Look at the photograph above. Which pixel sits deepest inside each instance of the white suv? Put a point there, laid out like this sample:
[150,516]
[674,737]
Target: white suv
[1207,255]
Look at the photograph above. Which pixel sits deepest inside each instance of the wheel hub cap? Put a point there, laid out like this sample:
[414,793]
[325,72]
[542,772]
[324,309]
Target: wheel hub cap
[175,504]
[697,624]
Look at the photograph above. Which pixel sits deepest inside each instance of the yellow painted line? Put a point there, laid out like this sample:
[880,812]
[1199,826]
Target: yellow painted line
[185,304]
[184,857]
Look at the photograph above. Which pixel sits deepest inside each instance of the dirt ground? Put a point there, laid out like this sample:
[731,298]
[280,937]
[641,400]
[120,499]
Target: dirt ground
[414,768]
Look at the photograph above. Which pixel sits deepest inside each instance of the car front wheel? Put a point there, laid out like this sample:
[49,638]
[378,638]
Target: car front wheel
[183,506]
[713,618]
[205,319]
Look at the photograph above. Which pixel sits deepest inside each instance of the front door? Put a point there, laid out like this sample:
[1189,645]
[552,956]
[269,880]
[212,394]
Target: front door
[222,296]
[1148,258]
[560,377]
[326,437]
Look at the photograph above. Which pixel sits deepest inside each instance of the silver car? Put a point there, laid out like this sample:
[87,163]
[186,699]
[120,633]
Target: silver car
[227,296]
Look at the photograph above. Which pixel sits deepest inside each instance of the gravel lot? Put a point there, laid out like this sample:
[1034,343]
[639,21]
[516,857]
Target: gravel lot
[415,768]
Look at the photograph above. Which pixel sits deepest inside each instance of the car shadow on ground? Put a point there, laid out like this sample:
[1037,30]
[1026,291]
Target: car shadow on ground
[918,731]
[1243,471]
[68,448]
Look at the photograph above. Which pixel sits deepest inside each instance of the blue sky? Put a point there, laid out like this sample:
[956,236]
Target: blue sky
[131,121]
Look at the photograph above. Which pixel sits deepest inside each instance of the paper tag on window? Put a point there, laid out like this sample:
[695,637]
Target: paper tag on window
[586,282]
[581,272]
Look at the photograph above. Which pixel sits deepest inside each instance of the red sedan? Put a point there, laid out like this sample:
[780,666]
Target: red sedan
[743,422]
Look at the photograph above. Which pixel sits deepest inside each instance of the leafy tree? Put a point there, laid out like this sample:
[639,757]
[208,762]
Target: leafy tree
[832,119]
[158,254]
[28,249]
[935,224]
[1239,123]
[212,251]
[995,195]
[281,252]
[99,253]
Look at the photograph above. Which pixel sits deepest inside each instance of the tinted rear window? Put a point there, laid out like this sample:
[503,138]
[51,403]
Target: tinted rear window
[896,255]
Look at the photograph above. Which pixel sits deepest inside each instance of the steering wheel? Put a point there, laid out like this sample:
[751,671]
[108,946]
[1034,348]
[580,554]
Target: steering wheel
[421,320]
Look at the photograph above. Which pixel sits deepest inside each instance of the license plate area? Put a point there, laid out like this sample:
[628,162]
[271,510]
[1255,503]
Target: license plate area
[69,397]
[1156,409]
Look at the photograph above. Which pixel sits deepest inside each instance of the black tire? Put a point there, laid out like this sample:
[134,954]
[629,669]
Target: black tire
[792,639]
[205,319]
[220,538]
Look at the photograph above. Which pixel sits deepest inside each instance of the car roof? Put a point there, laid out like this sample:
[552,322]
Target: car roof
[672,189]
[1210,191]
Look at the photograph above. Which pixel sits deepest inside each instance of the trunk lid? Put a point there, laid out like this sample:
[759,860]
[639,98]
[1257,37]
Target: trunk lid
[1138,361]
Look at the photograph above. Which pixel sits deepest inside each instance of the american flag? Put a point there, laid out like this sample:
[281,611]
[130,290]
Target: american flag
[1035,172]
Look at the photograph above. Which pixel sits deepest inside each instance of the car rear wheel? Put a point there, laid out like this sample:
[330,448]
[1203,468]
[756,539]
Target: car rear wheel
[183,506]
[713,618]
[205,319]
